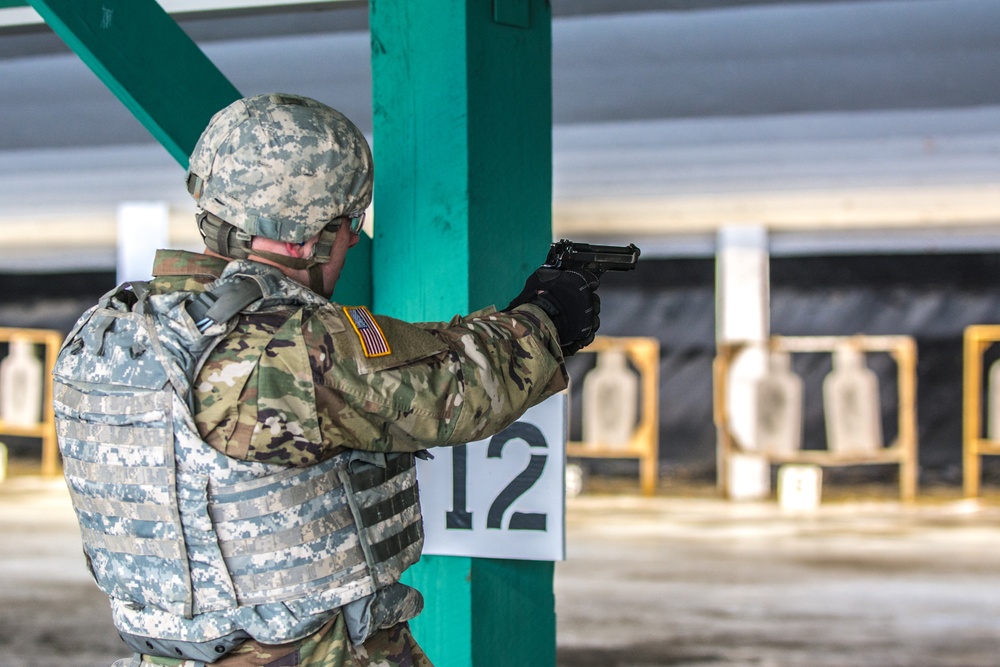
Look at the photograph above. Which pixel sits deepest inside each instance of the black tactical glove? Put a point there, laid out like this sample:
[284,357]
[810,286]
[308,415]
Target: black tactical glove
[571,302]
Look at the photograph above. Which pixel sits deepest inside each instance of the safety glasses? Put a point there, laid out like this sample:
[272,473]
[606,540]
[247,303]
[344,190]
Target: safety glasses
[357,222]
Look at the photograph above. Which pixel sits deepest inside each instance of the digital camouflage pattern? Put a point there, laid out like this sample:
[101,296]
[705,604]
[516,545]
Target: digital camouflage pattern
[281,166]
[286,373]
[192,545]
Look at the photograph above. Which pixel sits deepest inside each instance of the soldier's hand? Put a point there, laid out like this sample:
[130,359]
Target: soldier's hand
[571,302]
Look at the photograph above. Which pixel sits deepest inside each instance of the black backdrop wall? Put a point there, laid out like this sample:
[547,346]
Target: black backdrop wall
[931,297]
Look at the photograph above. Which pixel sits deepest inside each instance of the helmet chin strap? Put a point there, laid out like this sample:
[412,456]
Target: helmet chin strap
[230,241]
[312,264]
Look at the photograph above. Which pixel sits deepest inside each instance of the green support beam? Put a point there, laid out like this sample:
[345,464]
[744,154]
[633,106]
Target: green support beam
[147,61]
[463,155]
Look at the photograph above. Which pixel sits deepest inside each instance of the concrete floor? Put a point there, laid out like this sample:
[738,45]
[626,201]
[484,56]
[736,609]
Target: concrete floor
[675,581]
[670,580]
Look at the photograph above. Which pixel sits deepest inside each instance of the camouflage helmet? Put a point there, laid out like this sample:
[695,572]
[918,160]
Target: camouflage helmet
[280,166]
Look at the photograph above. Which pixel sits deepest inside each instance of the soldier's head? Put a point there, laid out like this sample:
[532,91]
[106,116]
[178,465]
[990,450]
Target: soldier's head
[282,168]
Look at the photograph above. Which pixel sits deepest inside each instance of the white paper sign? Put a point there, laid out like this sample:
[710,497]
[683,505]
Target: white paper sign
[503,497]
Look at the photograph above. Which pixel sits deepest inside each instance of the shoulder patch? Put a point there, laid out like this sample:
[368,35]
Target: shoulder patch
[373,341]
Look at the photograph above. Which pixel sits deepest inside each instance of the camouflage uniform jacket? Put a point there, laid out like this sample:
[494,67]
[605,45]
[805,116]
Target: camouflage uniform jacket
[295,388]
[298,386]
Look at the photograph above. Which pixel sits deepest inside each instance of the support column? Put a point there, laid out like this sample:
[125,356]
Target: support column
[463,177]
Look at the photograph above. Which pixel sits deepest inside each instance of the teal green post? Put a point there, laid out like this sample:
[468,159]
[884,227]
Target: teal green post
[463,184]
[354,288]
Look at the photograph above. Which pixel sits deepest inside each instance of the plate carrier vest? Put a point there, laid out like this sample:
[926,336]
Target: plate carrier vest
[197,550]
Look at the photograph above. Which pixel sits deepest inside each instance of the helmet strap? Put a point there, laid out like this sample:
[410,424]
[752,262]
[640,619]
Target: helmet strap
[323,247]
[223,238]
[230,241]
[311,264]
[316,280]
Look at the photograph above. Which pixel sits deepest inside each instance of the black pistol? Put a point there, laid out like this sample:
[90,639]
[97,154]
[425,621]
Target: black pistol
[597,259]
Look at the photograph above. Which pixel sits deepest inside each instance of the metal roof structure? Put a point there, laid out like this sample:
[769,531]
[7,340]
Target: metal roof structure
[853,125]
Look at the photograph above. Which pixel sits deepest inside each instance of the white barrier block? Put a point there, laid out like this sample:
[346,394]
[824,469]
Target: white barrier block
[749,477]
[800,487]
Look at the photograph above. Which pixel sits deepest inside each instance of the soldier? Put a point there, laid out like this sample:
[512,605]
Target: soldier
[240,450]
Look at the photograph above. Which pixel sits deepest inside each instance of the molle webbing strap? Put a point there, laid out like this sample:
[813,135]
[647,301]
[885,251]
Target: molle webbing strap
[385,504]
[372,477]
[128,544]
[275,499]
[269,561]
[298,555]
[271,542]
[389,507]
[117,404]
[394,506]
[253,500]
[142,475]
[116,436]
[395,544]
[107,434]
[289,583]
[121,509]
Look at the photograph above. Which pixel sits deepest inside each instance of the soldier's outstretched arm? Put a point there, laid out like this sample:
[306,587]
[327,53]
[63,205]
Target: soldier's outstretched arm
[388,385]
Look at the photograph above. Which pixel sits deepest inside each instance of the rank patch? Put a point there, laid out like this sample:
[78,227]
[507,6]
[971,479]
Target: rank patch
[372,339]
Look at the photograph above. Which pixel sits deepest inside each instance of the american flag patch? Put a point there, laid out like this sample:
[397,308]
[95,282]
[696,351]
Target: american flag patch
[372,339]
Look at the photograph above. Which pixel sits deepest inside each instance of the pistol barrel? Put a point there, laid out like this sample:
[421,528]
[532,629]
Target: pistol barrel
[567,254]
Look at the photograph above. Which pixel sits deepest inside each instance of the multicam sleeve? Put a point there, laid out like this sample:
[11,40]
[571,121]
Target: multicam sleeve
[510,361]
[442,383]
